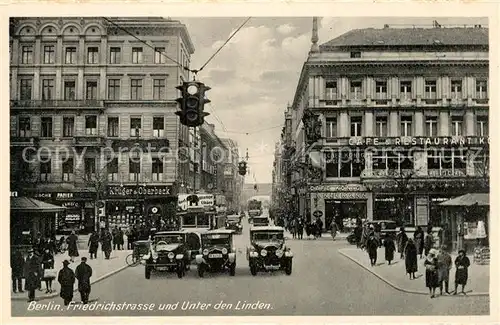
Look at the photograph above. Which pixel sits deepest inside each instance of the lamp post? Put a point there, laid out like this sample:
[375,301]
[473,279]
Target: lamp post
[137,173]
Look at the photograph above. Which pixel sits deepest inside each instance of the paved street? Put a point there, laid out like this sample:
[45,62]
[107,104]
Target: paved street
[323,282]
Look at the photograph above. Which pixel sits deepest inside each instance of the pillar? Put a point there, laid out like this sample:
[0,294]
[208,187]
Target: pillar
[369,207]
[393,124]
[419,124]
[444,124]
[368,127]
[469,123]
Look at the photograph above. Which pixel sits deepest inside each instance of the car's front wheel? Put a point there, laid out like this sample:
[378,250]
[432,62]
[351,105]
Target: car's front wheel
[201,270]
[288,267]
[147,272]
[232,269]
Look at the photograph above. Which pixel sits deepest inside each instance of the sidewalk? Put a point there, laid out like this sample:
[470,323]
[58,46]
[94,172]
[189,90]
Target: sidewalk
[101,269]
[395,274]
[324,236]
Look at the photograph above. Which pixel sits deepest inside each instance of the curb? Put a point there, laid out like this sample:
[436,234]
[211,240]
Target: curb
[56,294]
[480,294]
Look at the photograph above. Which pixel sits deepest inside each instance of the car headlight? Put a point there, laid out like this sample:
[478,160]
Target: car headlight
[224,251]
[155,256]
[239,226]
[205,252]
[279,253]
[171,255]
[263,252]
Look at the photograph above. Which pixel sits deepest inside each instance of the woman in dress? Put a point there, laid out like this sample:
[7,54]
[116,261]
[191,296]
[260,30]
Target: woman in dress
[48,263]
[410,254]
[462,264]
[431,272]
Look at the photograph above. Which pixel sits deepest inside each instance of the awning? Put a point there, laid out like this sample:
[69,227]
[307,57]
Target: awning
[26,204]
[469,199]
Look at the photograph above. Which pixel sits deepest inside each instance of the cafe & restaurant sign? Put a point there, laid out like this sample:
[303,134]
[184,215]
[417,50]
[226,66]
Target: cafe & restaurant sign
[419,141]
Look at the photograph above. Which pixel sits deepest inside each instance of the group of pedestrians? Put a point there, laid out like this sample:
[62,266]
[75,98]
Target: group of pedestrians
[297,226]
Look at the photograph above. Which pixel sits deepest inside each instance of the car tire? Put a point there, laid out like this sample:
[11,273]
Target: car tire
[201,270]
[232,269]
[288,267]
[253,269]
[147,272]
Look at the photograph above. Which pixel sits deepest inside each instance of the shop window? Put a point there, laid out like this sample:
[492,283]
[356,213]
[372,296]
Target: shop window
[405,89]
[381,126]
[135,126]
[68,170]
[134,170]
[446,162]
[331,127]
[356,126]
[157,167]
[45,170]
[203,221]
[46,127]
[189,220]
[344,164]
[69,90]
[91,125]
[400,162]
[68,126]
[331,90]
[355,89]
[113,170]
[379,161]
[24,126]
[113,126]
[481,164]
[482,129]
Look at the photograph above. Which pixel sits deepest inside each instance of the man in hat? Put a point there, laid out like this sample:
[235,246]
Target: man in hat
[31,274]
[444,267]
[83,274]
[66,278]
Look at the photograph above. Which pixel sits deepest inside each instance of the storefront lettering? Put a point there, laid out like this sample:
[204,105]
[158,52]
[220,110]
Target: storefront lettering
[447,172]
[64,195]
[124,191]
[43,195]
[422,141]
[345,196]
[339,188]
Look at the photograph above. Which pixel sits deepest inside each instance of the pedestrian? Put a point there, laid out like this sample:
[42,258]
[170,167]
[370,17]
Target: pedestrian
[121,241]
[444,267]
[462,264]
[358,231]
[431,272]
[428,241]
[401,239]
[389,248]
[418,237]
[106,239]
[50,244]
[72,241]
[93,245]
[114,233]
[333,229]
[319,229]
[83,273]
[371,247]
[17,268]
[411,258]
[308,229]
[31,274]
[66,278]
[300,228]
[48,270]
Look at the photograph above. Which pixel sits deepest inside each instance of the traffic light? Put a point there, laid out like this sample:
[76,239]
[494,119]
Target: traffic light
[192,102]
[101,210]
[242,168]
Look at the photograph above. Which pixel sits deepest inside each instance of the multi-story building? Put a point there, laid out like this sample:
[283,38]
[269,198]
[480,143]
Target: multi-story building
[281,200]
[213,151]
[94,98]
[404,123]
[232,184]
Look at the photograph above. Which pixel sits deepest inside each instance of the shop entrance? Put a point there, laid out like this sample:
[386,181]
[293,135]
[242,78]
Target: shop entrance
[345,213]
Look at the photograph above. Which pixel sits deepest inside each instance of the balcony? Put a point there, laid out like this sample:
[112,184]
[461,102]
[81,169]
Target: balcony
[56,104]
[88,141]
[24,141]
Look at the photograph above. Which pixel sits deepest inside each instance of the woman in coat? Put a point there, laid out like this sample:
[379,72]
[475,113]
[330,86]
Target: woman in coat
[410,254]
[418,237]
[431,272]
[66,278]
[462,264]
[72,246]
[402,239]
[48,264]
[389,248]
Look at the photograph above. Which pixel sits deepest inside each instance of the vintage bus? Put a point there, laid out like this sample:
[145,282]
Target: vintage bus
[197,211]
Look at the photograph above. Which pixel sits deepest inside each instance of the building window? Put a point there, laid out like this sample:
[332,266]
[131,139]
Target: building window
[91,125]
[159,55]
[381,89]
[482,126]
[446,162]
[431,126]
[457,126]
[356,129]
[91,90]
[68,169]
[27,55]
[406,126]
[92,55]
[68,127]
[114,55]
[135,126]
[405,89]
[456,89]
[24,126]
[430,89]
[344,164]
[379,162]
[114,89]
[69,90]
[159,90]
[481,89]
[355,55]
[157,165]
[331,127]
[47,89]
[381,126]
[113,126]
[134,170]
[331,90]
[45,170]
[90,167]
[113,170]
[481,164]
[70,57]
[26,89]
[49,53]
[158,127]
[136,89]
[399,162]
[355,89]
[137,55]
[46,127]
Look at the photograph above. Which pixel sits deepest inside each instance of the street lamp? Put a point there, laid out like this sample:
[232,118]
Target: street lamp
[138,206]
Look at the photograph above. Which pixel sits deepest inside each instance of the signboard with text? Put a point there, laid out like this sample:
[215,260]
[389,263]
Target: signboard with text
[133,191]
[419,141]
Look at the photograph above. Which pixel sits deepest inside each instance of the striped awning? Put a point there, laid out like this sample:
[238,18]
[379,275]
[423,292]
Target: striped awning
[26,204]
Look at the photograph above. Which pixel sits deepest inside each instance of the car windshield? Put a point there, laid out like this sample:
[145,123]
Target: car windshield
[259,220]
[170,239]
[267,235]
[216,240]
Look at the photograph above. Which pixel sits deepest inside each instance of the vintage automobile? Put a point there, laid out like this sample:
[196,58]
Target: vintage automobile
[234,223]
[217,253]
[171,251]
[260,221]
[267,251]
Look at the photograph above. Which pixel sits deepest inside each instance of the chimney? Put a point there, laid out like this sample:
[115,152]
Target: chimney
[314,37]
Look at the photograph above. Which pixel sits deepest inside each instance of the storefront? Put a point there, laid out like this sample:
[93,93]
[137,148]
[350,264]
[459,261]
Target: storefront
[397,208]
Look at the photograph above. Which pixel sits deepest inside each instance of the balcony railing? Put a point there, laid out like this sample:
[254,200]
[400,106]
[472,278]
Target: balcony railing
[87,103]
[88,141]
[25,141]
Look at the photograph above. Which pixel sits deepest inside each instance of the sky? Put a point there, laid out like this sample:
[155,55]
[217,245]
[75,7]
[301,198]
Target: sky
[254,77]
